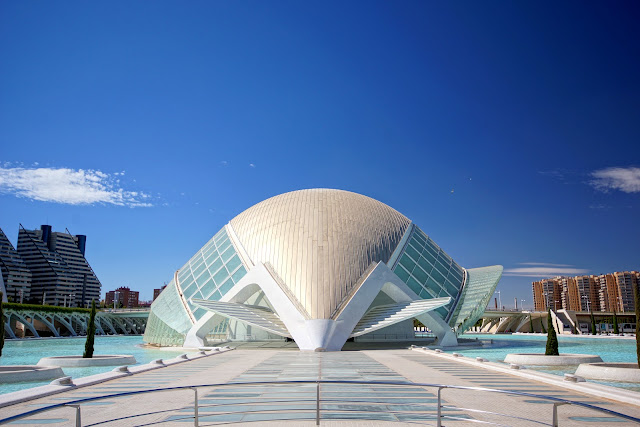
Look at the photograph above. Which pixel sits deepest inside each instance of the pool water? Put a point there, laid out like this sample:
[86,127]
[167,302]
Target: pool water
[609,349]
[30,351]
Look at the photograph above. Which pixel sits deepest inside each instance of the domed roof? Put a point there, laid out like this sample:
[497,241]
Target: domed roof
[320,241]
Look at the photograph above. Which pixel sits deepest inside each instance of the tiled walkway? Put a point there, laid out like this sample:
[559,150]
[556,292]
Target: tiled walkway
[340,404]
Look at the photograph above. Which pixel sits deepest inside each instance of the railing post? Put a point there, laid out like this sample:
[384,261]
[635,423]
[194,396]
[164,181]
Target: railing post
[439,422]
[78,417]
[554,421]
[195,407]
[318,403]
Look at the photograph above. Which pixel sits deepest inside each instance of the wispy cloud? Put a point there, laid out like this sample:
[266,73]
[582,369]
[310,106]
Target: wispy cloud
[69,186]
[543,270]
[251,165]
[624,179]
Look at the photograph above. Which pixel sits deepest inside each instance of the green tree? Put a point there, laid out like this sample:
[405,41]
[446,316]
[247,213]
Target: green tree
[593,324]
[91,333]
[615,323]
[1,325]
[530,323]
[552,338]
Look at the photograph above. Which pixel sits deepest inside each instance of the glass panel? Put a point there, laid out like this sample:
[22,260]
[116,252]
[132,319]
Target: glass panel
[221,276]
[233,263]
[427,294]
[426,259]
[412,252]
[199,270]
[188,292]
[226,286]
[207,289]
[199,312]
[215,296]
[444,270]
[442,311]
[239,274]
[187,282]
[418,237]
[414,285]
[435,287]
[215,266]
[402,273]
[453,291]
[224,245]
[439,278]
[228,254]
[444,258]
[407,263]
[202,279]
[420,274]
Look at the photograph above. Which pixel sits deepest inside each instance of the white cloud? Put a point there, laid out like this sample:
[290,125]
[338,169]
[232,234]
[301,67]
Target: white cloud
[68,186]
[623,179]
[251,165]
[544,270]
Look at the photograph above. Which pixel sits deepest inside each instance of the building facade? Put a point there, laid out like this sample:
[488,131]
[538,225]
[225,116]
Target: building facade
[60,272]
[16,276]
[319,266]
[609,293]
[124,297]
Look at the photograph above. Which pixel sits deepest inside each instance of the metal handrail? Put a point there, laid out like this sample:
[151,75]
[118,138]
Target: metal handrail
[556,400]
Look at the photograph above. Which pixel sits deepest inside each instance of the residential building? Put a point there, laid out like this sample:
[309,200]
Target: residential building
[156,292]
[124,297]
[626,281]
[547,293]
[589,290]
[15,273]
[609,293]
[570,294]
[60,272]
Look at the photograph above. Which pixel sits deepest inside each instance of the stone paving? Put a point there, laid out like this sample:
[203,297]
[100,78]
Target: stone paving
[295,404]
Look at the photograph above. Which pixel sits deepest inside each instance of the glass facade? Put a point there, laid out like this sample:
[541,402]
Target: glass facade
[209,274]
[429,271]
[481,283]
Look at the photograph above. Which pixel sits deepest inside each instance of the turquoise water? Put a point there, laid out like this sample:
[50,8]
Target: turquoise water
[609,349]
[29,352]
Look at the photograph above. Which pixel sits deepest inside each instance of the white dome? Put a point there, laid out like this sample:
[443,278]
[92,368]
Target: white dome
[320,242]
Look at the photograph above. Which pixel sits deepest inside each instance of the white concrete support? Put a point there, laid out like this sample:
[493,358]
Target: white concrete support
[319,334]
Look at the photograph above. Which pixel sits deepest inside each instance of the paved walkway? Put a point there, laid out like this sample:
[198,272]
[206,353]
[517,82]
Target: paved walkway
[340,404]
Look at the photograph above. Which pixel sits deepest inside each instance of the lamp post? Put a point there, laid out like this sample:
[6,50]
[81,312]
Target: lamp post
[586,298]
[116,294]
[522,301]
[70,296]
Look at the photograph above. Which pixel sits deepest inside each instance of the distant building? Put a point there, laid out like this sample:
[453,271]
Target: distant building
[156,292]
[60,272]
[124,296]
[570,294]
[16,276]
[605,293]
[547,293]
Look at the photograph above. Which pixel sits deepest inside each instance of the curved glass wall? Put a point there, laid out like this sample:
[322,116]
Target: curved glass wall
[480,285]
[209,274]
[429,271]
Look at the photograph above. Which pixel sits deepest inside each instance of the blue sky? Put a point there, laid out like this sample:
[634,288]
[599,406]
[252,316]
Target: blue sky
[508,131]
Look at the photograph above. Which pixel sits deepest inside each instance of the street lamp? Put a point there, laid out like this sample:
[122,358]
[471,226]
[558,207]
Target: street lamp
[116,294]
[586,298]
[522,303]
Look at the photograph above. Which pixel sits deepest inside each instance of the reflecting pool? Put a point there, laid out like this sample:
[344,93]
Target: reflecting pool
[496,347]
[29,352]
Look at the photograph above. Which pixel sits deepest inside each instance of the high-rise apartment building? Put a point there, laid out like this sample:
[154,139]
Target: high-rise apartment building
[547,293]
[605,293]
[609,293]
[626,281]
[124,296]
[588,288]
[570,294]
[60,272]
[16,276]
